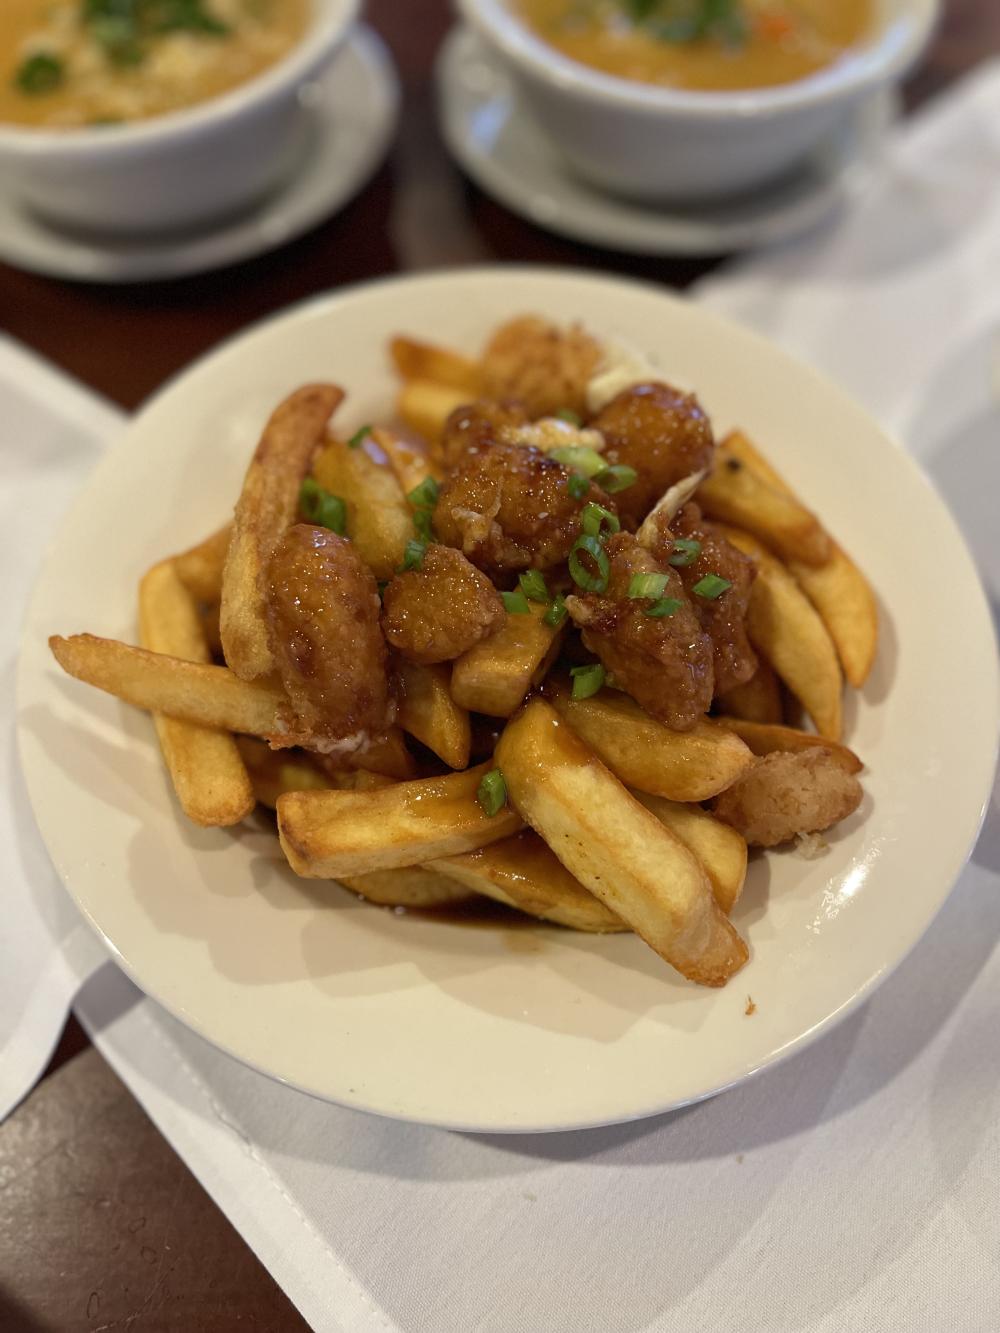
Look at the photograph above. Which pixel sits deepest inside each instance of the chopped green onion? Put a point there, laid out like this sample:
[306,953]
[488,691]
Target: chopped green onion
[710,587]
[413,555]
[666,606]
[492,793]
[647,585]
[579,457]
[425,495]
[322,508]
[685,552]
[580,574]
[567,414]
[556,613]
[516,603]
[618,477]
[422,523]
[40,73]
[587,680]
[358,437]
[593,516]
[533,585]
[578,485]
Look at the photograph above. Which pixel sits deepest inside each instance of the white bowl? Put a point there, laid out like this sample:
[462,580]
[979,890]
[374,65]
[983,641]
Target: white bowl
[182,168]
[651,142]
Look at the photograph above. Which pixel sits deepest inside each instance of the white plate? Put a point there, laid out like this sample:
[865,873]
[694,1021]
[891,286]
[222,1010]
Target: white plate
[497,1028]
[353,110]
[498,143]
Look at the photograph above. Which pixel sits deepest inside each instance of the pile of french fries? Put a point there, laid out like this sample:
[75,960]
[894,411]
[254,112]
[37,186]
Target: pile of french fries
[600,824]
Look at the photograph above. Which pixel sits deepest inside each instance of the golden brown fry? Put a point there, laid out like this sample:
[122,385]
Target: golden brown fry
[786,794]
[379,520]
[209,777]
[757,699]
[326,835]
[409,457]
[386,756]
[681,766]
[742,447]
[525,873]
[210,696]
[425,406]
[736,494]
[273,772]
[766,737]
[419,887]
[428,711]
[786,629]
[721,851]
[615,847]
[200,568]
[423,361]
[268,504]
[495,676]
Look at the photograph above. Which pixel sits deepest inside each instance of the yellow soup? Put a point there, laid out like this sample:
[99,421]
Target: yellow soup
[696,44]
[67,63]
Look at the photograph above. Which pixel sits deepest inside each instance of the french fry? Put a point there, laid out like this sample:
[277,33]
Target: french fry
[719,848]
[329,834]
[525,873]
[737,494]
[785,627]
[679,765]
[409,457]
[210,696]
[422,361]
[379,520]
[209,777]
[615,847]
[495,675]
[385,756]
[765,737]
[409,886]
[757,699]
[428,711]
[837,589]
[200,567]
[268,505]
[425,406]
[273,772]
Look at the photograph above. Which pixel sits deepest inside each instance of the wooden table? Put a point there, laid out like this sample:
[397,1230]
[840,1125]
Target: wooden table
[101,1225]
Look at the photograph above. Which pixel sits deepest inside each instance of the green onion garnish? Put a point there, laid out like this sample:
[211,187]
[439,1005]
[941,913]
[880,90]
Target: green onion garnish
[358,437]
[567,414]
[516,603]
[593,516]
[413,555]
[666,606]
[578,485]
[425,495]
[580,574]
[323,508]
[492,793]
[422,523]
[533,585]
[580,458]
[618,477]
[647,585]
[685,552]
[587,680]
[710,587]
[40,73]
[556,613]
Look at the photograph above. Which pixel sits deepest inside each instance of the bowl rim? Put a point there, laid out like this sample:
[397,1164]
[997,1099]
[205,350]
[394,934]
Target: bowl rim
[329,24]
[886,55]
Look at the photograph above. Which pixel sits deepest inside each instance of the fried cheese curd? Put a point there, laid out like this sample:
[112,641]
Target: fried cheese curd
[323,609]
[439,611]
[479,424]
[547,368]
[663,662]
[510,508]
[662,433]
[787,793]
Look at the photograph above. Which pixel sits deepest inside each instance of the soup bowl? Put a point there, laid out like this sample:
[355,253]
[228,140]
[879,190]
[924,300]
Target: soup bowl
[656,143]
[184,167]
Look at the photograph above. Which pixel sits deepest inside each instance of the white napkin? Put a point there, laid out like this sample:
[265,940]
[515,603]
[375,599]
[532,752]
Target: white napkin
[852,1189]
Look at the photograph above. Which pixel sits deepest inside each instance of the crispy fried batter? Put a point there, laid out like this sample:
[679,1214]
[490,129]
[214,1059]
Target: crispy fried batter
[509,508]
[663,433]
[665,662]
[440,610]
[785,794]
[544,366]
[479,424]
[323,609]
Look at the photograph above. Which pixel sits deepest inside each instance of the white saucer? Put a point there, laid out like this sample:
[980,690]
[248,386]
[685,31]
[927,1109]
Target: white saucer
[353,106]
[498,143]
